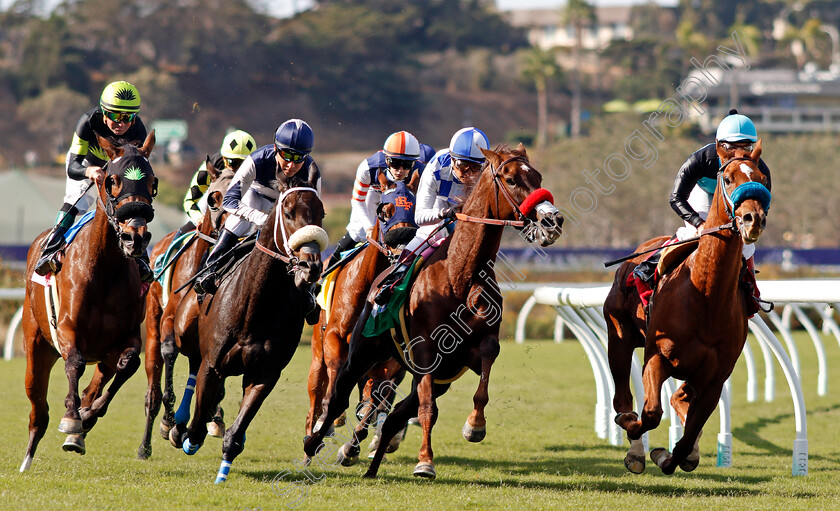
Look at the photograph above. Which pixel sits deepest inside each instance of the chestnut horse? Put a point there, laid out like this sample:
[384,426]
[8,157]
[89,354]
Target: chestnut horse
[453,309]
[697,322]
[161,305]
[97,320]
[253,324]
[330,338]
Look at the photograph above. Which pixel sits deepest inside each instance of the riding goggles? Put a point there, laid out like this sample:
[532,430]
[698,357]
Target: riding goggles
[125,117]
[398,163]
[233,163]
[292,156]
[470,167]
[746,145]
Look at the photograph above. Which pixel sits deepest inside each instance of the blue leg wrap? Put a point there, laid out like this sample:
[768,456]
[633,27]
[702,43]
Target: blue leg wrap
[189,448]
[224,470]
[182,416]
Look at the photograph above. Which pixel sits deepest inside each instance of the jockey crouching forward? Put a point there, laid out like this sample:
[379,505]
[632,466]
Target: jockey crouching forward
[252,191]
[397,161]
[695,186]
[445,184]
[114,119]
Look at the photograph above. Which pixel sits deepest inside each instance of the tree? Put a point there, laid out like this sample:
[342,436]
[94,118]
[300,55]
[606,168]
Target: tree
[48,115]
[578,14]
[541,66]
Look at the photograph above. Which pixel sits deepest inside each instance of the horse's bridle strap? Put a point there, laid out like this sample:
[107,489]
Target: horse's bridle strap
[489,221]
[275,255]
[378,245]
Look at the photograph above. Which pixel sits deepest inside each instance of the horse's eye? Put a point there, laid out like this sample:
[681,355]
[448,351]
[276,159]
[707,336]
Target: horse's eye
[288,215]
[510,181]
[726,180]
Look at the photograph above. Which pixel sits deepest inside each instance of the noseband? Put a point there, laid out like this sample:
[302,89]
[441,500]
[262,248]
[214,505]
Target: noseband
[748,190]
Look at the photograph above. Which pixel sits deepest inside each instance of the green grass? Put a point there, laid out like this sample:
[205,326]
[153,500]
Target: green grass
[541,451]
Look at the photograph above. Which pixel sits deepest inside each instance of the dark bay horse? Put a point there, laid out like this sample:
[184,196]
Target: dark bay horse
[253,324]
[697,319]
[100,301]
[453,310]
[331,337]
[161,305]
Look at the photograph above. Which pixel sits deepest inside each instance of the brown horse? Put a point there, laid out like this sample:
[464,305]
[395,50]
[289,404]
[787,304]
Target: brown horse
[330,339]
[697,319]
[100,308]
[453,310]
[161,305]
[253,324]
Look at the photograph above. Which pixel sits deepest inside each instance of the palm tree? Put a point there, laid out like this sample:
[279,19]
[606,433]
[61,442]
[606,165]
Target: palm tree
[578,14]
[541,66]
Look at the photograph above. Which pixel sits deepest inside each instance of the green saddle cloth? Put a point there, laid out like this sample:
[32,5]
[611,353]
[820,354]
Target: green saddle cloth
[162,260]
[383,319]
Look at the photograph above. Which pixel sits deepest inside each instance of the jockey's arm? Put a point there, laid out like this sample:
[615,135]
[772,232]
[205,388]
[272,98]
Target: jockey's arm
[425,212]
[241,183]
[687,177]
[198,187]
[76,155]
[359,205]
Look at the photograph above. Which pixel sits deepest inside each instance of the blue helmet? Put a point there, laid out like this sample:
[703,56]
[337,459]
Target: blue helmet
[467,144]
[295,135]
[427,152]
[736,127]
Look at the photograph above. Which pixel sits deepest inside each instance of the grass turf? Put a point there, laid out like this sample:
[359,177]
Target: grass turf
[541,451]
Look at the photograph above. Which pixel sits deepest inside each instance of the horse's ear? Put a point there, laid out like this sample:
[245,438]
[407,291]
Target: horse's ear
[490,155]
[520,148]
[110,149]
[214,200]
[211,169]
[148,145]
[756,153]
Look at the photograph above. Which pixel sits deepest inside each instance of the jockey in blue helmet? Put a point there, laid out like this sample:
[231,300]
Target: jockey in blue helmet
[254,190]
[445,184]
[695,185]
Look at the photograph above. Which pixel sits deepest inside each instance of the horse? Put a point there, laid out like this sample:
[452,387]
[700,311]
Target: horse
[253,324]
[697,319]
[330,338]
[451,316]
[98,318]
[161,305]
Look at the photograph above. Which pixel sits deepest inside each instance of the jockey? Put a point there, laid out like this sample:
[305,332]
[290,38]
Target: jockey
[236,146]
[695,186]
[253,191]
[115,119]
[447,181]
[396,161]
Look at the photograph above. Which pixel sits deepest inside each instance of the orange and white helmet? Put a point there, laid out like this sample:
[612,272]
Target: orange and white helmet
[402,145]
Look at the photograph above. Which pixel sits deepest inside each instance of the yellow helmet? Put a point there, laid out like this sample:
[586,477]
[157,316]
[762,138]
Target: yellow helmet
[120,97]
[238,144]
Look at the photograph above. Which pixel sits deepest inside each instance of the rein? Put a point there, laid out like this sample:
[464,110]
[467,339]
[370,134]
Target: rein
[727,226]
[290,260]
[498,185]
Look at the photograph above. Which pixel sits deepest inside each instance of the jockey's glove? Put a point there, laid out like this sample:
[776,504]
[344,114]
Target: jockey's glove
[448,212]
[254,216]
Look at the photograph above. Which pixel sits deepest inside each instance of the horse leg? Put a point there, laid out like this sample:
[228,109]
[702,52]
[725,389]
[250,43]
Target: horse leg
[699,410]
[40,359]
[169,352]
[403,411]
[216,426]
[92,392]
[316,382]
[126,365]
[681,400]
[153,366]
[657,370]
[71,423]
[335,353]
[207,386]
[475,428]
[620,349]
[182,415]
[427,414]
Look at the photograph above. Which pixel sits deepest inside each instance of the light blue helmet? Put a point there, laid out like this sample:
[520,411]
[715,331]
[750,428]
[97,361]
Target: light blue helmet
[467,144]
[736,127]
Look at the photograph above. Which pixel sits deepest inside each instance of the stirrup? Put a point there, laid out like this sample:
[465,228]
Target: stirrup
[206,284]
[47,264]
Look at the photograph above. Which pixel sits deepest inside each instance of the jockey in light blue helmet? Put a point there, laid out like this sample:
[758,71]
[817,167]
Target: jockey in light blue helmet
[736,128]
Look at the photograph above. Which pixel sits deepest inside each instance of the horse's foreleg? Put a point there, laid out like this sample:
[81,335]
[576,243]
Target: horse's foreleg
[153,367]
[92,392]
[40,359]
[207,387]
[216,426]
[620,349]
[253,397]
[475,428]
[699,410]
[681,400]
[403,411]
[126,365]
[316,382]
[74,367]
[427,415]
[169,352]
[657,370]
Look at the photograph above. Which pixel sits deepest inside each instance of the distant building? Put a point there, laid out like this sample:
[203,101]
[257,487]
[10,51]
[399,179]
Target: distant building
[545,27]
[777,100]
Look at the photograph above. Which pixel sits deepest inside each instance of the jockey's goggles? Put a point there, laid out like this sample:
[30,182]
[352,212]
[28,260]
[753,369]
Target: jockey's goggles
[398,163]
[233,163]
[292,156]
[468,166]
[746,145]
[125,117]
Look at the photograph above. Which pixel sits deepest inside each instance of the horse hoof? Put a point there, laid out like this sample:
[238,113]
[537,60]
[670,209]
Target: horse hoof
[473,434]
[414,421]
[216,429]
[425,470]
[144,453]
[74,443]
[374,443]
[341,420]
[190,448]
[175,437]
[70,426]
[347,457]
[688,465]
[635,463]
[27,463]
[165,428]
[395,442]
[662,458]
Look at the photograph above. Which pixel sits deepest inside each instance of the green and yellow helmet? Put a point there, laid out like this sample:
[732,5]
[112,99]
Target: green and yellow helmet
[120,97]
[238,145]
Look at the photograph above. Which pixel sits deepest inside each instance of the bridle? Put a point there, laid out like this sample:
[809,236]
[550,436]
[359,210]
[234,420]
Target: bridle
[291,260]
[744,191]
[497,185]
[111,206]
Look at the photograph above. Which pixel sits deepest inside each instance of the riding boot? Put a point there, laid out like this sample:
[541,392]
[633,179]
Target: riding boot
[48,262]
[386,287]
[345,243]
[187,227]
[147,275]
[311,305]
[646,270]
[206,281]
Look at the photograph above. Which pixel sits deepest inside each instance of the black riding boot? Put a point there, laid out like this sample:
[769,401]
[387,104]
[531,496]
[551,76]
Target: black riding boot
[187,227]
[311,305]
[386,287]
[48,263]
[146,273]
[206,280]
[345,243]
[647,268]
